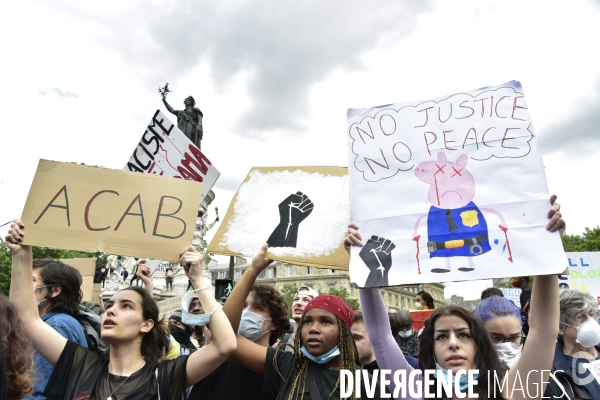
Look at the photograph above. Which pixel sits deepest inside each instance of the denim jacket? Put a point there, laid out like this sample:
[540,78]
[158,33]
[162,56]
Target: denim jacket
[70,329]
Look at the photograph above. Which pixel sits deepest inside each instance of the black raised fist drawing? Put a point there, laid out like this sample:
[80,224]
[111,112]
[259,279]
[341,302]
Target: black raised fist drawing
[293,210]
[377,256]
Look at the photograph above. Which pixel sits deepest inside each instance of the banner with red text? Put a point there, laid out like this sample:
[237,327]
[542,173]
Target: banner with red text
[165,150]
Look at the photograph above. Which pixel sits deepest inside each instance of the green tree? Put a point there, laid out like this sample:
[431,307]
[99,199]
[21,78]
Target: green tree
[289,291]
[346,296]
[589,241]
[40,252]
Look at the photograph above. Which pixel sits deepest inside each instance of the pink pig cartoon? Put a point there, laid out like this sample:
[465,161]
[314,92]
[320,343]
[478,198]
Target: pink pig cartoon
[455,225]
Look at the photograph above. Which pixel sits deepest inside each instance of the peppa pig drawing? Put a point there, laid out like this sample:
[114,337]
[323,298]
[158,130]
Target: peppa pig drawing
[456,227]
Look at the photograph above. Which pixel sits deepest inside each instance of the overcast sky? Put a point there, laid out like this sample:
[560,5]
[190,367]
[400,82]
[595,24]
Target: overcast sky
[274,79]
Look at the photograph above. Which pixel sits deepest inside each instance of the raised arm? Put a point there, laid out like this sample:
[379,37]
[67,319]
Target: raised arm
[204,361]
[46,340]
[387,353]
[171,110]
[544,313]
[251,355]
[143,272]
[101,300]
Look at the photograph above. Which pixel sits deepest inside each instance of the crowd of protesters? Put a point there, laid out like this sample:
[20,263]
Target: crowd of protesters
[248,348]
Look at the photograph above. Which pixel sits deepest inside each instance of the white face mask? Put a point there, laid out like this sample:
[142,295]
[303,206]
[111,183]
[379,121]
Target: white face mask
[251,325]
[40,287]
[508,353]
[417,304]
[588,333]
[405,335]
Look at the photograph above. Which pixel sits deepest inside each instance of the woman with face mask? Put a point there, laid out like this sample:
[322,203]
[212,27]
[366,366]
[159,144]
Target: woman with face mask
[322,348]
[502,320]
[577,354]
[454,340]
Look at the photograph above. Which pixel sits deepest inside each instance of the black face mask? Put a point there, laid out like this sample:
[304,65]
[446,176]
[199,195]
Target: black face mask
[182,337]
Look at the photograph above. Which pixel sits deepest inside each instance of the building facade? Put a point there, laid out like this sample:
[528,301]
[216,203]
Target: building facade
[281,274]
[470,305]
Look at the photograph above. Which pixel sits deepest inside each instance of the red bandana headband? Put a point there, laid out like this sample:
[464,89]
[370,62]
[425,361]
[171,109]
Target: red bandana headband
[333,304]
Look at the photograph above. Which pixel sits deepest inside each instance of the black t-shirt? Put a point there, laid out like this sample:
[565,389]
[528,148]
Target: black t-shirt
[370,367]
[230,381]
[325,378]
[80,374]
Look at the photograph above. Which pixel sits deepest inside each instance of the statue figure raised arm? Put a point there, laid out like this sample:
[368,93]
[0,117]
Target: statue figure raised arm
[189,121]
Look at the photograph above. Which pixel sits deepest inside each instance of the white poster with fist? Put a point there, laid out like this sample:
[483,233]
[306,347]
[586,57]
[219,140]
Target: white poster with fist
[449,189]
[301,212]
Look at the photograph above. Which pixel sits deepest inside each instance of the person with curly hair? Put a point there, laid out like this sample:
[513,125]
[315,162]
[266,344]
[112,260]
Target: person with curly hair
[264,321]
[137,339]
[18,361]
[323,347]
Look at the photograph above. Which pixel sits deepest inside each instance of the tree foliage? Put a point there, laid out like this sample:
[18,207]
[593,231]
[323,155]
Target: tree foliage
[289,291]
[589,241]
[38,253]
[346,296]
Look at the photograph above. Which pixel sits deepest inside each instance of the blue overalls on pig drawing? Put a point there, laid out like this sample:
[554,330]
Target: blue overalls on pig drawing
[449,227]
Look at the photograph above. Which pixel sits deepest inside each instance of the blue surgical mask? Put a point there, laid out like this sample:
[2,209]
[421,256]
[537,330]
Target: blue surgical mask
[464,379]
[189,318]
[251,325]
[323,359]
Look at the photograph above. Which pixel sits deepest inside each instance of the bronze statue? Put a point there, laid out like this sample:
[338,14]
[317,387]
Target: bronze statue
[189,121]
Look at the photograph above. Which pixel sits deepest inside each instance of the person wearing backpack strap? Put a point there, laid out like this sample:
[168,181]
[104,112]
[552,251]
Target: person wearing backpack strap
[91,325]
[57,288]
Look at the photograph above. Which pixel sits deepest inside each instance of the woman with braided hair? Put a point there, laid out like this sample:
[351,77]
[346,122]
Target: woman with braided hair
[323,348]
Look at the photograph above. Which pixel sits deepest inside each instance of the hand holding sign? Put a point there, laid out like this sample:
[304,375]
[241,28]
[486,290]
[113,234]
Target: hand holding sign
[191,261]
[260,261]
[292,211]
[376,254]
[14,239]
[143,272]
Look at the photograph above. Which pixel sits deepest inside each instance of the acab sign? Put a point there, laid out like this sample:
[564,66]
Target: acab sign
[86,208]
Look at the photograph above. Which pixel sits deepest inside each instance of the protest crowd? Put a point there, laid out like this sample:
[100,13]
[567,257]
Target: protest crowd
[246,351]
[247,347]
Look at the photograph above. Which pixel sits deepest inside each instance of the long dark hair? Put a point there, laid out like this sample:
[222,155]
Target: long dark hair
[486,358]
[55,272]
[155,342]
[428,299]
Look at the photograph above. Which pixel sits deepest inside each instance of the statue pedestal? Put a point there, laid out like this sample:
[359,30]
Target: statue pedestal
[114,282]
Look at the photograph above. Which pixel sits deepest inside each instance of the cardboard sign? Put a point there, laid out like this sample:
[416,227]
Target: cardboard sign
[512,294]
[77,207]
[583,274]
[96,290]
[165,150]
[302,212]
[166,307]
[86,267]
[449,189]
